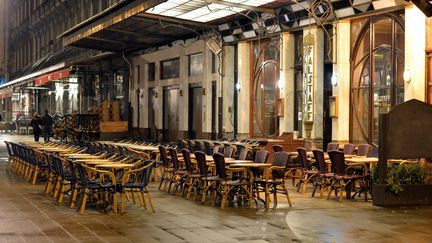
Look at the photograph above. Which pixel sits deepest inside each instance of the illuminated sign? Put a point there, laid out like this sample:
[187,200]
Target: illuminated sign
[308,73]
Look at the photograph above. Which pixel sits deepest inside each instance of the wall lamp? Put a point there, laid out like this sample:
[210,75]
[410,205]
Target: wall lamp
[334,80]
[238,86]
[407,75]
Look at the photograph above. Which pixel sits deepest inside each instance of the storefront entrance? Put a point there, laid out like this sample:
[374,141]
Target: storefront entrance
[377,67]
[195,112]
[170,114]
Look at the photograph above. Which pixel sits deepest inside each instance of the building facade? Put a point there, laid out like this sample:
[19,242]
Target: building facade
[42,73]
[322,70]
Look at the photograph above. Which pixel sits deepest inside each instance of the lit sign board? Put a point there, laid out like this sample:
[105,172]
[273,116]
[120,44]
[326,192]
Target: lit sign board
[308,73]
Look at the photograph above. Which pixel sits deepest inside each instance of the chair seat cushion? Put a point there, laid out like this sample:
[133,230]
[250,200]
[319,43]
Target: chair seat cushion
[271,181]
[234,183]
[348,177]
[326,175]
[209,178]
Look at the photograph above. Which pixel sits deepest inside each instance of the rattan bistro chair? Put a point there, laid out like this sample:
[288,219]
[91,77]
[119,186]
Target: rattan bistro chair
[341,179]
[277,148]
[167,169]
[349,148]
[332,146]
[192,177]
[136,180]
[324,177]
[307,173]
[207,180]
[227,184]
[179,174]
[273,181]
[363,149]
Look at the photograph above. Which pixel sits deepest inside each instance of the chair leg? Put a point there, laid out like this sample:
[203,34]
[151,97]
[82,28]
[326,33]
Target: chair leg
[342,186]
[267,196]
[62,191]
[204,192]
[286,193]
[330,188]
[84,201]
[114,196]
[122,202]
[224,197]
[161,180]
[275,196]
[149,198]
[189,188]
[74,195]
[143,199]
[35,176]
[57,188]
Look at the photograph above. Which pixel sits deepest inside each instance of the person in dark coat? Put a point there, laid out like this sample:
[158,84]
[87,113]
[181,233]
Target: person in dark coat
[36,123]
[47,121]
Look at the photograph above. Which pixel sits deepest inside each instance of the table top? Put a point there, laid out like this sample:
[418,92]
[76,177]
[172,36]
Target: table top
[84,157]
[133,146]
[115,166]
[54,149]
[254,165]
[96,162]
[86,161]
[76,154]
[238,161]
[359,159]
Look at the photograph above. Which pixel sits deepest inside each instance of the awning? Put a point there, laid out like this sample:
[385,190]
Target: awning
[129,28]
[52,76]
[29,78]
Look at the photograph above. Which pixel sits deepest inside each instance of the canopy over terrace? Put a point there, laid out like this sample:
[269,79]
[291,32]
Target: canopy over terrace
[134,25]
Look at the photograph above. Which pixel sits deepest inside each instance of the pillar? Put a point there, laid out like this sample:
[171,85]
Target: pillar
[243,100]
[340,124]
[286,122]
[313,81]
[415,56]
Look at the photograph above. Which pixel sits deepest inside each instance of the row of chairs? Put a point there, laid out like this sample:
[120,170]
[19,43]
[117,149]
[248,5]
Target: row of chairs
[224,181]
[340,176]
[85,182]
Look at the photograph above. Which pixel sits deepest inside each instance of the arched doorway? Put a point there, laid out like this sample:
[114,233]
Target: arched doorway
[377,65]
[265,55]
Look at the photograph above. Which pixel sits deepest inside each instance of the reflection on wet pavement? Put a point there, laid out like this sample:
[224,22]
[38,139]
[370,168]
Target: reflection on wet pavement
[28,215]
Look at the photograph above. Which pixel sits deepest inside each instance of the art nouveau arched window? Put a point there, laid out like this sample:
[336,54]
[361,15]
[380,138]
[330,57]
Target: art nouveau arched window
[377,65]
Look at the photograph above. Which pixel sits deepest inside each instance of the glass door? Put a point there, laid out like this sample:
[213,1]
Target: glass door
[376,73]
[170,114]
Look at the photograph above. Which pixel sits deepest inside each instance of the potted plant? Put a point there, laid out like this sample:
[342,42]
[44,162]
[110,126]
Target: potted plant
[404,185]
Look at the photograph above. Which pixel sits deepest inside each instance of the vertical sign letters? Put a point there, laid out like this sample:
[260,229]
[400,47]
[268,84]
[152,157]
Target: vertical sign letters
[308,73]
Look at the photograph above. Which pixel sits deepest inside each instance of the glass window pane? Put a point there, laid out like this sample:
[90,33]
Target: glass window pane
[196,64]
[170,68]
[383,32]
[151,69]
[360,93]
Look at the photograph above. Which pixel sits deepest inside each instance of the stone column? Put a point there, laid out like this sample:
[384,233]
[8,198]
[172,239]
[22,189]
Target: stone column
[340,124]
[286,123]
[243,104]
[228,91]
[415,56]
[313,87]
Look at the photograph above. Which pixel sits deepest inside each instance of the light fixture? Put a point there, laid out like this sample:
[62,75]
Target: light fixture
[238,86]
[407,75]
[281,83]
[203,11]
[334,80]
